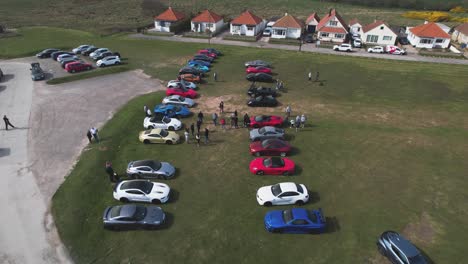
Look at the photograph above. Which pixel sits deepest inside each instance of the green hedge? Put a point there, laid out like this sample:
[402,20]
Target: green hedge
[156,33]
[441,54]
[240,38]
[285,41]
[196,35]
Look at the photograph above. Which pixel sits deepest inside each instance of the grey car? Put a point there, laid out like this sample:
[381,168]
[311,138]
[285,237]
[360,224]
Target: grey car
[150,169]
[131,216]
[37,73]
[257,63]
[398,249]
[266,133]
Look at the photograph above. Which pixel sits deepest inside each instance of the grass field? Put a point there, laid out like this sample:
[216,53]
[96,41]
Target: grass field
[385,148]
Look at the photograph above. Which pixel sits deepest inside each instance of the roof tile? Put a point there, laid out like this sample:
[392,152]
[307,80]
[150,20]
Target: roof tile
[429,30]
[208,17]
[170,15]
[247,18]
[289,21]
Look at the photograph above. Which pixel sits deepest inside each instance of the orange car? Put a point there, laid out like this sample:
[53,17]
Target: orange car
[190,78]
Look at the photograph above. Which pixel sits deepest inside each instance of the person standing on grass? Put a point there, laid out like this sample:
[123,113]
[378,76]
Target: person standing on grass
[94,131]
[7,122]
[298,122]
[288,111]
[145,109]
[236,120]
[90,136]
[192,129]
[310,76]
[223,123]
[232,120]
[197,137]
[186,134]
[221,107]
[281,85]
[214,116]
[317,75]
[200,117]
[215,76]
[148,112]
[198,126]
[207,132]
[235,113]
[246,120]
[113,177]
[303,120]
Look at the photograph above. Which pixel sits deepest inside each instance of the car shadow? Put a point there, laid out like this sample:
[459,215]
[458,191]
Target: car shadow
[2,88]
[314,197]
[332,225]
[4,152]
[429,260]
[48,76]
[289,136]
[294,151]
[298,170]
[7,77]
[173,196]
[168,222]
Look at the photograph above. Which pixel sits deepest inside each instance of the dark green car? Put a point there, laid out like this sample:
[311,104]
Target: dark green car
[37,73]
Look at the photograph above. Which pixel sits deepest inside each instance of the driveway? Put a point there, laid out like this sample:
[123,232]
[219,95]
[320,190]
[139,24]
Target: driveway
[35,157]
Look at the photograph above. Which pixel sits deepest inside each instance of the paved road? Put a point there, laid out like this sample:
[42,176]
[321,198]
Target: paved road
[305,47]
[35,157]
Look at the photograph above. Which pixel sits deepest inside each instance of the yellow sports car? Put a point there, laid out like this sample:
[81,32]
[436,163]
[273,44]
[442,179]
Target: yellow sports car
[159,135]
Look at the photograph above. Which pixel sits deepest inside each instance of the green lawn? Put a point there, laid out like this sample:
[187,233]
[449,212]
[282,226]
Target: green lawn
[385,148]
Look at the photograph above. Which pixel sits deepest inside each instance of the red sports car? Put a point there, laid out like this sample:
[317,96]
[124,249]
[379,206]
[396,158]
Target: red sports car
[266,120]
[270,147]
[207,53]
[182,92]
[272,166]
[258,69]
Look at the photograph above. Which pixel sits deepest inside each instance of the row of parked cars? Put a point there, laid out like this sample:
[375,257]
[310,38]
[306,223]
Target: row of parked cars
[260,71]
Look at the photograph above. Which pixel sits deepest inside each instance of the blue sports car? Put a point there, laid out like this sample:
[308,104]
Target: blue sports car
[199,62]
[296,220]
[172,110]
[199,67]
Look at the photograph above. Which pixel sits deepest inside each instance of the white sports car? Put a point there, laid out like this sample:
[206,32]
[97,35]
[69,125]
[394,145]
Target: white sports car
[142,191]
[181,83]
[178,100]
[162,122]
[283,193]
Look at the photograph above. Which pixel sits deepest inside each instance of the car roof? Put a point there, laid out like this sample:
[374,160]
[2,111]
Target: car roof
[269,128]
[288,186]
[136,184]
[300,213]
[128,210]
[403,244]
[139,163]
[155,131]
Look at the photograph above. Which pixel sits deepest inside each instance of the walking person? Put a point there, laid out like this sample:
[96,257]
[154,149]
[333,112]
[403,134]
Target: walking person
[145,109]
[310,76]
[94,131]
[246,120]
[200,117]
[7,122]
[214,116]
[89,136]
[303,120]
[192,129]
[215,76]
[281,85]
[277,84]
[197,137]
[113,177]
[221,107]
[207,132]
[288,111]
[198,126]
[236,120]
[298,122]
[232,120]
[235,113]
[317,75]
[187,134]
[148,112]
[292,123]
[223,123]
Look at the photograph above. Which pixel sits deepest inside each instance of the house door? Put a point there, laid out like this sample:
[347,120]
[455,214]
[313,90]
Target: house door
[311,28]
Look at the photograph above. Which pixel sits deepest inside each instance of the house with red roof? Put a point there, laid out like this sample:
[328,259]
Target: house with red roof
[332,27]
[355,26]
[287,27]
[460,34]
[378,33]
[247,24]
[207,20]
[312,22]
[162,22]
[428,35]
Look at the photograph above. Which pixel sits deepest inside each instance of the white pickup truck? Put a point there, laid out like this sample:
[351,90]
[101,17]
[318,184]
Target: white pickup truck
[343,47]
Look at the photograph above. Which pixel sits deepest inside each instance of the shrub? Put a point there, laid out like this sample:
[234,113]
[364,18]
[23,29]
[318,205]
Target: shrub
[433,16]
[459,9]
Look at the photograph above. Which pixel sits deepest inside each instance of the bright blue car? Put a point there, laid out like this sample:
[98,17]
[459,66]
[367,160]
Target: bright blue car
[199,62]
[296,220]
[172,110]
[199,67]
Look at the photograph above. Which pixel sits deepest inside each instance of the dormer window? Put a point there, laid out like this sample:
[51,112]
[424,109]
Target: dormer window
[333,23]
[381,28]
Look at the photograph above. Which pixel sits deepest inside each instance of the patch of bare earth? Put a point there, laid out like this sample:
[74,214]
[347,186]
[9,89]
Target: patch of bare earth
[422,231]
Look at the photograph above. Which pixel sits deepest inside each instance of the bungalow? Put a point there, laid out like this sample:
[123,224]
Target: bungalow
[247,24]
[207,20]
[379,33]
[162,23]
[287,27]
[312,22]
[355,26]
[428,35]
[332,27]
[460,34]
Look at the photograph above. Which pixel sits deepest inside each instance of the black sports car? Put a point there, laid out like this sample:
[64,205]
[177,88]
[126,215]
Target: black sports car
[258,91]
[263,101]
[89,51]
[259,77]
[203,57]
[215,51]
[46,53]
[190,70]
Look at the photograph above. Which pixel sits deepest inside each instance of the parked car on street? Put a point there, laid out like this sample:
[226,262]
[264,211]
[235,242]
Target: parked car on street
[257,63]
[262,101]
[398,249]
[261,91]
[190,78]
[46,53]
[159,121]
[403,41]
[37,73]
[295,220]
[343,47]
[266,120]
[81,48]
[78,67]
[267,32]
[259,77]
[178,100]
[108,61]
[182,92]
[357,43]
[170,110]
[181,84]
[309,38]
[270,147]
[267,132]
[159,135]
[150,169]
[394,50]
[272,166]
[376,49]
[1,75]
[142,191]
[131,216]
[258,69]
[283,193]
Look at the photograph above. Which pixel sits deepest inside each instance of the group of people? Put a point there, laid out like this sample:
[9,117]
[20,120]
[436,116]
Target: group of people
[93,133]
[298,122]
[317,75]
[187,132]
[279,84]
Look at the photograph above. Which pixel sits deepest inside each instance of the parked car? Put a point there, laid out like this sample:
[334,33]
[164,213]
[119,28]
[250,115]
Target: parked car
[398,249]
[266,120]
[81,48]
[37,73]
[266,133]
[171,110]
[150,169]
[261,91]
[309,38]
[55,55]
[403,41]
[66,56]
[203,58]
[108,61]
[258,69]
[182,92]
[257,63]
[181,84]
[267,32]
[130,216]
[272,166]
[65,61]
[394,50]
[208,53]
[199,62]
[201,68]
[159,121]
[376,49]
[357,43]
[159,135]
[355,36]
[178,100]
[98,51]
[46,53]
[259,77]
[89,50]
[190,78]
[283,193]
[190,70]
[295,220]
[343,47]
[270,147]
[78,66]
[102,55]
[262,101]
[142,191]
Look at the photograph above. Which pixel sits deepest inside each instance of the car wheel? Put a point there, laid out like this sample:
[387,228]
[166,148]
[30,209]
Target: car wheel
[260,173]
[258,154]
[335,49]
[370,51]
[146,141]
[150,127]
[348,50]
[169,142]
[171,128]
[124,200]
[381,250]
[155,201]
[286,173]
[283,154]
[73,71]
[299,202]
[108,227]
[117,63]
[277,230]
[267,204]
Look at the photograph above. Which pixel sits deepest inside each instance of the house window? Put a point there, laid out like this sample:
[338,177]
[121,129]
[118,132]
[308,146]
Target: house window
[340,36]
[250,28]
[209,25]
[280,32]
[381,28]
[439,41]
[333,23]
[425,41]
[324,35]
[372,38]
[387,37]
[162,23]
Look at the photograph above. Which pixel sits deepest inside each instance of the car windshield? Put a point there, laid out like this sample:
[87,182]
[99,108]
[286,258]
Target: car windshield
[418,259]
[287,216]
[299,188]
[164,133]
[147,132]
[140,213]
[155,165]
[276,189]
[312,216]
[262,130]
[267,162]
[258,118]
[265,143]
[166,120]
[115,211]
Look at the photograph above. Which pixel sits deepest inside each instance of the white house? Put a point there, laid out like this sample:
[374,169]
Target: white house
[287,27]
[332,28]
[428,35]
[247,24]
[162,23]
[355,26]
[460,34]
[378,33]
[207,20]
[312,22]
